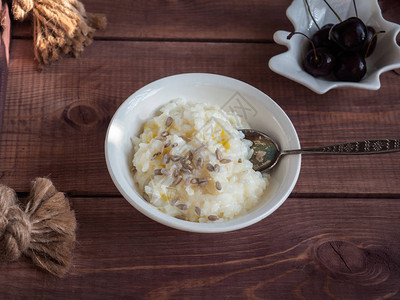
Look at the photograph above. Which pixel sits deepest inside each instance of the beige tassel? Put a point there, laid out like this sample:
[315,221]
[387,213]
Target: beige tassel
[45,231]
[60,27]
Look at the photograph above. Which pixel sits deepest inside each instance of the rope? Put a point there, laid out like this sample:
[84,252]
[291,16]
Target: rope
[43,231]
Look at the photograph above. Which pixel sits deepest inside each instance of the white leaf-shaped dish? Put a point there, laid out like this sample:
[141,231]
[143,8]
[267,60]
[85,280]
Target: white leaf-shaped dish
[289,64]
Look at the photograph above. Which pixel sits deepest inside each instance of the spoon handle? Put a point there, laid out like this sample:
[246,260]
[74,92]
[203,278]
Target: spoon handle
[359,147]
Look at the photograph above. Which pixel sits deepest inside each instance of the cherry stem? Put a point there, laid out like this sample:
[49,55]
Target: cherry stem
[370,42]
[355,7]
[337,16]
[313,46]
[312,17]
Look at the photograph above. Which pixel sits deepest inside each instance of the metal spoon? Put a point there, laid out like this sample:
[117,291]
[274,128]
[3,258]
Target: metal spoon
[267,153]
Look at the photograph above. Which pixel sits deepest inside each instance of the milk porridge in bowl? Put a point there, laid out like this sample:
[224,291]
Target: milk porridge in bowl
[192,163]
[175,152]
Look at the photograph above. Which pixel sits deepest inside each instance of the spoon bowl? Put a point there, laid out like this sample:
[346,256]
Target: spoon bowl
[266,153]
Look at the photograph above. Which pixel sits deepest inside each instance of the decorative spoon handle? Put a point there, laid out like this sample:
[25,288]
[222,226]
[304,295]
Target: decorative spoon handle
[359,147]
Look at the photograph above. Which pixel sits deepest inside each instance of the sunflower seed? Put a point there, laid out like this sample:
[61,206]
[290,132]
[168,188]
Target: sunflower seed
[164,172]
[176,157]
[167,144]
[225,161]
[184,158]
[164,133]
[166,158]
[210,167]
[198,149]
[203,179]
[157,172]
[199,162]
[201,184]
[187,166]
[182,206]
[155,155]
[176,172]
[218,185]
[190,155]
[218,154]
[239,160]
[197,210]
[212,217]
[174,145]
[217,168]
[173,201]
[181,217]
[184,170]
[187,181]
[177,181]
[185,138]
[168,122]
[160,138]
[194,181]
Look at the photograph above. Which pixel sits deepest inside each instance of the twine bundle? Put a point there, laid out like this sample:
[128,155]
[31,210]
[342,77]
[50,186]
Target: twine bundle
[44,231]
[60,27]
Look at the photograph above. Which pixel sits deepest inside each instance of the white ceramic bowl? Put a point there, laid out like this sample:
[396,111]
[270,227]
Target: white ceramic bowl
[260,111]
[289,64]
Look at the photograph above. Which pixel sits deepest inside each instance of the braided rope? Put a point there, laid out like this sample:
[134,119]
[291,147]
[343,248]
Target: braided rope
[44,231]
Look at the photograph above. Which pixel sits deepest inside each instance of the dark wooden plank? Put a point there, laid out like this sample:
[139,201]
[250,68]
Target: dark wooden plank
[341,116]
[244,20]
[55,121]
[220,20]
[309,248]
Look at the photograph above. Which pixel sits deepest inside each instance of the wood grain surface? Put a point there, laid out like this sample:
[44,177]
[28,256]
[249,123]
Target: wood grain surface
[341,249]
[195,20]
[57,119]
[336,237]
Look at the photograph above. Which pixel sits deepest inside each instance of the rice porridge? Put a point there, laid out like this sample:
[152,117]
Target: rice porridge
[192,162]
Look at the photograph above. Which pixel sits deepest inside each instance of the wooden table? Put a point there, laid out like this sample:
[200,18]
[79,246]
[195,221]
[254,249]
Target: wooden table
[336,237]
